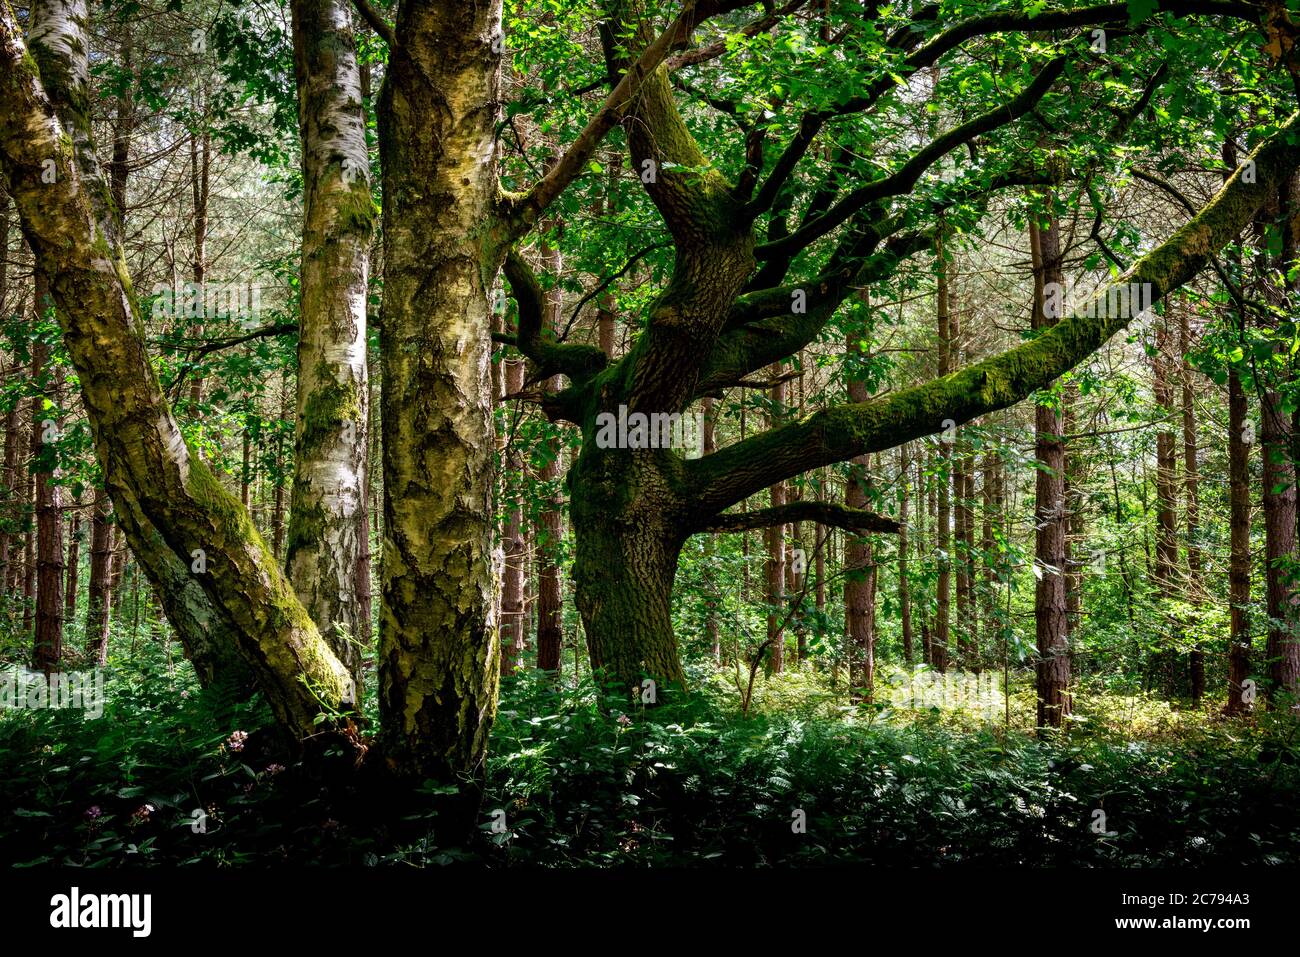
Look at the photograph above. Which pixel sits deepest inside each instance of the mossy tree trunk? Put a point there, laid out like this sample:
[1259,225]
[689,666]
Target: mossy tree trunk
[327,518]
[623,569]
[59,46]
[1279,469]
[438,666]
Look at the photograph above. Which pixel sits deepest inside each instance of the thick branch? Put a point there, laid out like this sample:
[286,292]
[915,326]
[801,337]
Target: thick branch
[761,328]
[827,513]
[714,50]
[521,212]
[578,362]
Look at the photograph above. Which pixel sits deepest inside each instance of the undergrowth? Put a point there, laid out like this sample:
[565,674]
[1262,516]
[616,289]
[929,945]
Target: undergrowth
[169,775]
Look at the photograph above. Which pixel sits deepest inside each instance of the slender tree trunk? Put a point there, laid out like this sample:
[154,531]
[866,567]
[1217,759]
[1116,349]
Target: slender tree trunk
[963,518]
[550,622]
[859,567]
[939,641]
[1239,641]
[904,584]
[200,189]
[992,507]
[1166,485]
[1191,490]
[123,127]
[775,567]
[1050,604]
[29,545]
[50,564]
[514,623]
[928,507]
[99,599]
[823,543]
[73,568]
[15,494]
[327,519]
[711,630]
[606,317]
[1075,508]
[277,500]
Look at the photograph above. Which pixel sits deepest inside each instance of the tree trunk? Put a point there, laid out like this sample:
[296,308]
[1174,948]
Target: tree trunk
[550,537]
[859,566]
[29,546]
[12,424]
[438,667]
[99,601]
[711,630]
[514,623]
[775,541]
[50,565]
[963,518]
[624,593]
[278,503]
[904,584]
[15,495]
[200,191]
[927,507]
[1191,490]
[939,640]
[73,567]
[822,539]
[327,517]
[992,522]
[1166,483]
[1050,605]
[1279,480]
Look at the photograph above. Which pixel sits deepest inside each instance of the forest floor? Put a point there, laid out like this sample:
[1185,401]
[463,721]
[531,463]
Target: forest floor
[928,775]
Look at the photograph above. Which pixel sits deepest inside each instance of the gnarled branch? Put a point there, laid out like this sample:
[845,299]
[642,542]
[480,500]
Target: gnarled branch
[578,362]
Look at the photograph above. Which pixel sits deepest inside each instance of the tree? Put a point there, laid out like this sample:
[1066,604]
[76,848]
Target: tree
[732,305]
[328,525]
[1051,619]
[50,563]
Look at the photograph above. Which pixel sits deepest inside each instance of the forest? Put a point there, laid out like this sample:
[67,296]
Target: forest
[623,433]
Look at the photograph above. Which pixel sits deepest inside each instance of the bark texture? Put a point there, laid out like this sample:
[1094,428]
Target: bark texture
[438,667]
[327,518]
